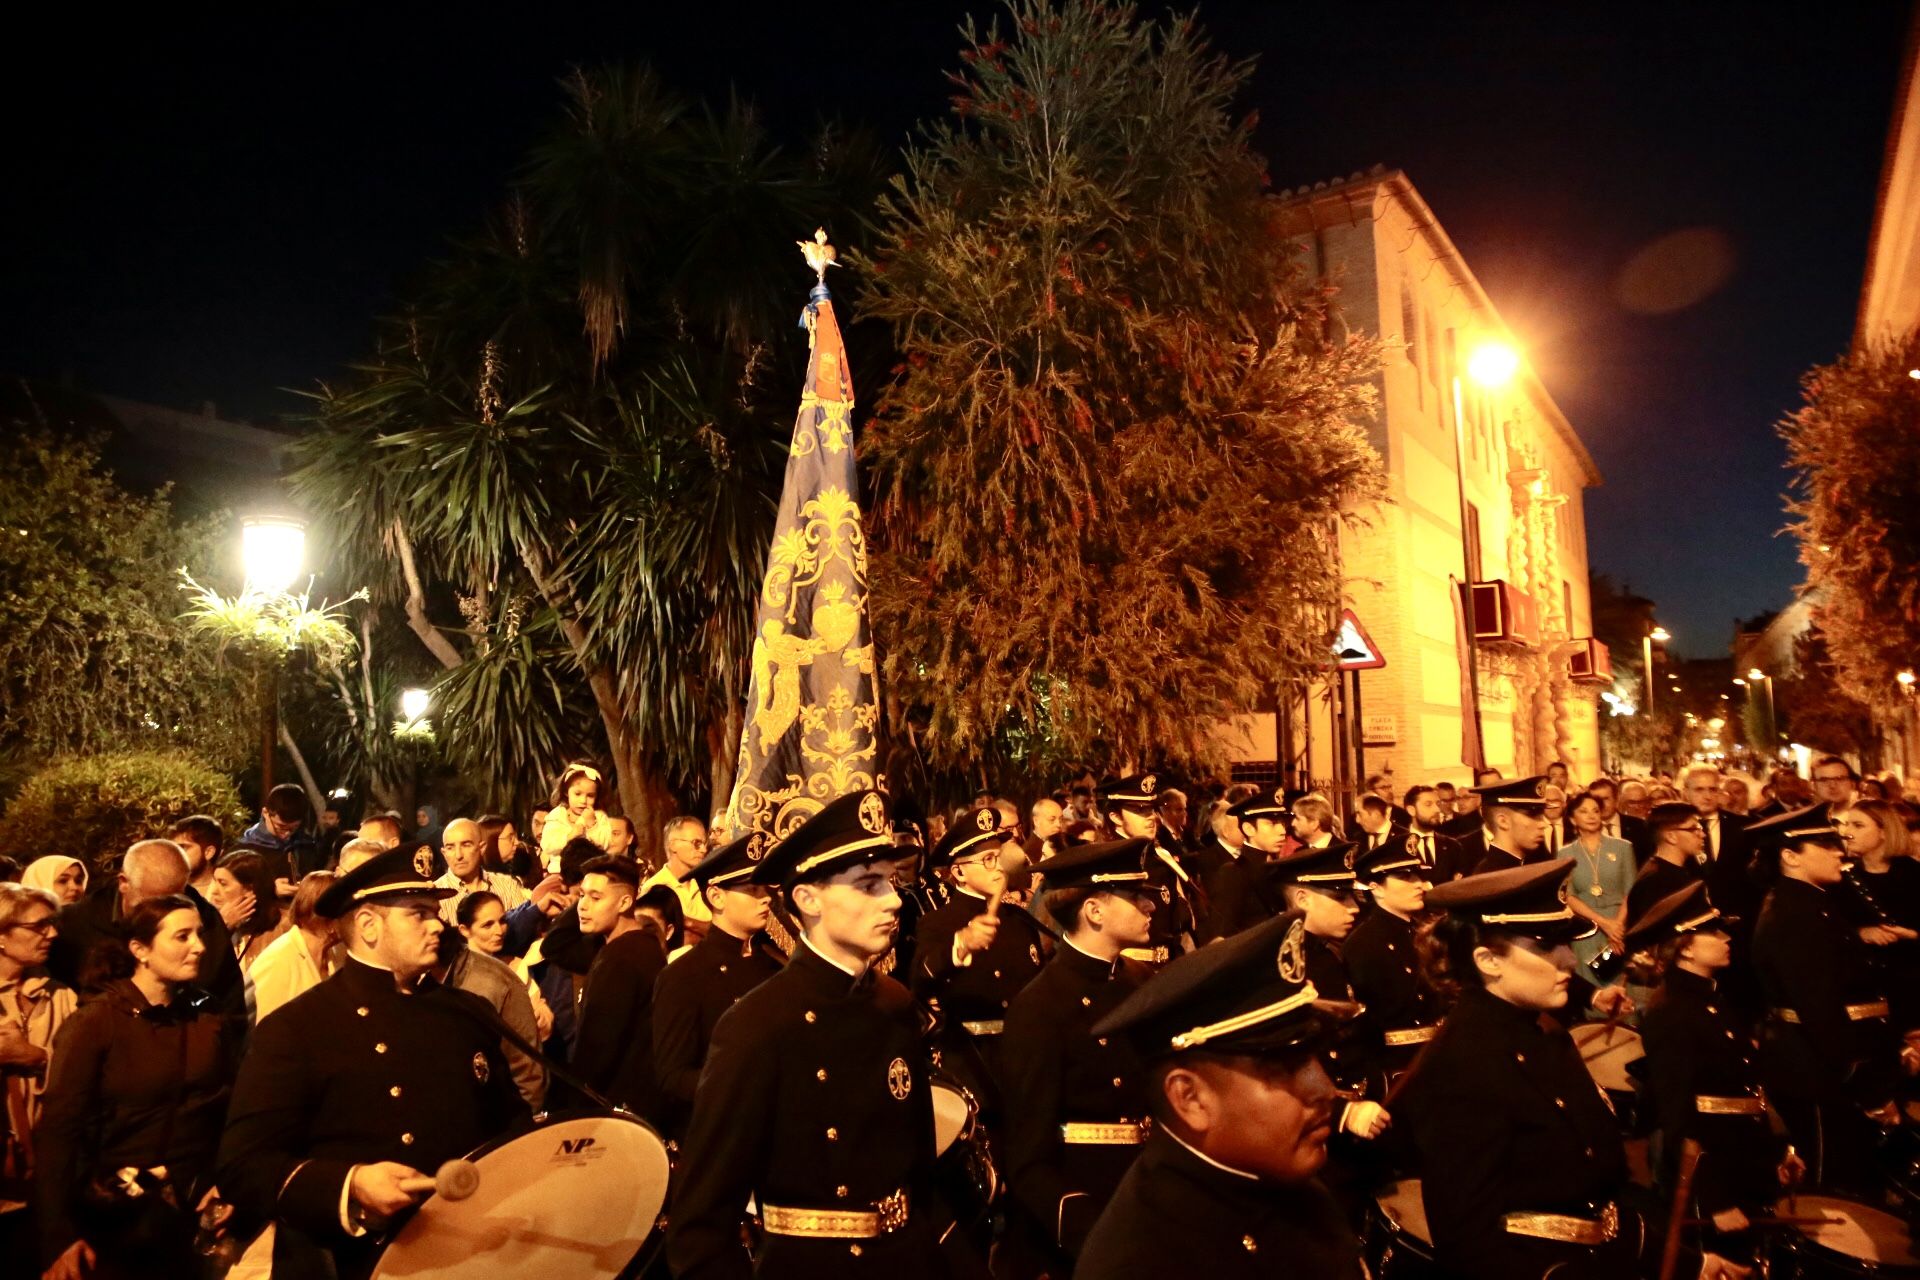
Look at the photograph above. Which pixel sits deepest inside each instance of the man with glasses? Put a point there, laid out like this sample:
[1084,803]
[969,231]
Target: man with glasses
[686,838]
[1076,1103]
[1834,785]
[1678,838]
[972,956]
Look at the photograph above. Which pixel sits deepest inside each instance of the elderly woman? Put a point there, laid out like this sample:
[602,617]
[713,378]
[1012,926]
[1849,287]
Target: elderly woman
[32,1009]
[63,877]
[133,1108]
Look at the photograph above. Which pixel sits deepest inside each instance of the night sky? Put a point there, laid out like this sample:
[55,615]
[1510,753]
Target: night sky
[200,208]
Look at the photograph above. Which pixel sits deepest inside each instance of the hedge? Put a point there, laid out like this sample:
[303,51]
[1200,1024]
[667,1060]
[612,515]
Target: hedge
[93,807]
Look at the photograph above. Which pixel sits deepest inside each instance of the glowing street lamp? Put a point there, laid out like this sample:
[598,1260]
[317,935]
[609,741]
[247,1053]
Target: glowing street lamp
[414,704]
[1493,364]
[272,551]
[1658,635]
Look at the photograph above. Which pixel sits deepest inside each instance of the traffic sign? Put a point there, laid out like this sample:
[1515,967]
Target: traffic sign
[1354,649]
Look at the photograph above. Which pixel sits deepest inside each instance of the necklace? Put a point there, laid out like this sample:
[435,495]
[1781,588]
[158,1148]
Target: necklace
[1593,868]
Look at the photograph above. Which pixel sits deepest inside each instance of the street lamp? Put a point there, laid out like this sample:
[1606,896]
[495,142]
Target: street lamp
[272,549]
[1661,635]
[1758,679]
[414,703]
[1491,364]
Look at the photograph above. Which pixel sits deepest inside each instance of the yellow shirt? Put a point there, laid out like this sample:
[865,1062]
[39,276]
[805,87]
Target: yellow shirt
[693,903]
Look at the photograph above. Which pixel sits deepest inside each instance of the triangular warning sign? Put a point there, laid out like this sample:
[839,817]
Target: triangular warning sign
[1354,649]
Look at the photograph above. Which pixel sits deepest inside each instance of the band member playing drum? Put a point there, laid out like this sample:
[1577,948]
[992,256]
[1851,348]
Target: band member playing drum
[1705,1084]
[814,1100]
[1225,1185]
[1076,1103]
[735,957]
[1522,1156]
[350,1096]
[972,956]
[1827,1054]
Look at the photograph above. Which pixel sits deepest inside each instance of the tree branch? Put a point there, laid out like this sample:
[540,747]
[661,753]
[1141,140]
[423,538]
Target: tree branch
[438,645]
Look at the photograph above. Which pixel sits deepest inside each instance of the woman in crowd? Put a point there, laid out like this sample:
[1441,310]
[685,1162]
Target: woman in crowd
[575,814]
[502,850]
[1603,871]
[1883,898]
[482,920]
[63,877]
[33,1007]
[301,957]
[133,1109]
[243,893]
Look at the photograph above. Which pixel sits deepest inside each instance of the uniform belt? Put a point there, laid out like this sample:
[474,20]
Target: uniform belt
[1125,1133]
[1708,1105]
[1565,1227]
[993,1028]
[887,1216]
[1409,1035]
[1855,1012]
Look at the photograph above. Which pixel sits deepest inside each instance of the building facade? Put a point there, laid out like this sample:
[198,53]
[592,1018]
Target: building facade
[1492,494]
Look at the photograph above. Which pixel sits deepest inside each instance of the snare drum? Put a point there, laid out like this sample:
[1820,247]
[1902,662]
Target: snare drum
[574,1198]
[1399,1245]
[1856,1240]
[963,1156]
[1609,1050]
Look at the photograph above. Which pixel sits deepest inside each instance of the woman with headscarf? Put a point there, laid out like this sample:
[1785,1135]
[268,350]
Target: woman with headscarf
[63,877]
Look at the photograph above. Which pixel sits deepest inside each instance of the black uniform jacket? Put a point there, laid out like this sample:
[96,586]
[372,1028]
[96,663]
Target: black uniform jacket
[814,1096]
[1384,971]
[355,1072]
[981,989]
[1810,960]
[613,1049]
[1175,1214]
[1055,1070]
[1508,1120]
[1243,893]
[688,998]
[1696,1049]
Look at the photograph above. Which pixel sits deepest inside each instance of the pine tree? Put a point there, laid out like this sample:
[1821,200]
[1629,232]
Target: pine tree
[1111,463]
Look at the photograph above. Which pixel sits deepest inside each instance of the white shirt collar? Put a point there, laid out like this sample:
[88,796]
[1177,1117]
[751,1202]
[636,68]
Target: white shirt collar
[1201,1155]
[851,973]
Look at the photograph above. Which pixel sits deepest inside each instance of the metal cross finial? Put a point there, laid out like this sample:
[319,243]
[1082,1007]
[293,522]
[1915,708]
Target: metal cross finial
[819,254]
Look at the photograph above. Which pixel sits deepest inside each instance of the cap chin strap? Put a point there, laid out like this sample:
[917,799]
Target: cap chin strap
[1240,1022]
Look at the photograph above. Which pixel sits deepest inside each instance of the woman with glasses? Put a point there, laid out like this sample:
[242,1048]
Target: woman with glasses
[133,1108]
[33,1007]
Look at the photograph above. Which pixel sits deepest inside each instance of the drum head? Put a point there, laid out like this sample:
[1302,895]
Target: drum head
[1607,1051]
[1854,1230]
[952,1115]
[575,1199]
[1405,1210]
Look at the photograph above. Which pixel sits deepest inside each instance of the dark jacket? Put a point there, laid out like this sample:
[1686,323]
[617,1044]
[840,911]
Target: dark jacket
[1176,1215]
[1243,893]
[815,1096]
[977,992]
[1507,1120]
[352,1072]
[613,1049]
[131,1085]
[689,997]
[1811,961]
[94,922]
[1055,1071]
[1384,970]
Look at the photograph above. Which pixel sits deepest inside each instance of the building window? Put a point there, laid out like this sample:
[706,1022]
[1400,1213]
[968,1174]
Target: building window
[1416,350]
[1471,538]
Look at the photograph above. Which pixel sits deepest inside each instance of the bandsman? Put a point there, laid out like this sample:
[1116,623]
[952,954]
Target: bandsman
[1128,806]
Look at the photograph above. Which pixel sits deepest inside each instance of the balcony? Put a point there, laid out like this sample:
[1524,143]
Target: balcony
[1499,613]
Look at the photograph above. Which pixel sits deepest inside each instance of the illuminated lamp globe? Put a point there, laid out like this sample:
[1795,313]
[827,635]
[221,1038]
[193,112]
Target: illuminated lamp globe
[414,703]
[1493,364]
[272,549]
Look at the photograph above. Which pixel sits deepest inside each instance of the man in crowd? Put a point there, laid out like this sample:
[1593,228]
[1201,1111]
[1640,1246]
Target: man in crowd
[351,1090]
[1128,804]
[686,839]
[282,831]
[1467,827]
[1834,785]
[383,829]
[1381,784]
[1170,807]
[1443,856]
[1514,824]
[1374,817]
[1557,775]
[149,869]
[1635,800]
[620,841]
[613,1047]
[460,846]
[301,958]
[815,1097]
[1076,1103]
[1047,819]
[202,840]
[1678,836]
[1225,1184]
[1737,796]
[1244,892]
[693,992]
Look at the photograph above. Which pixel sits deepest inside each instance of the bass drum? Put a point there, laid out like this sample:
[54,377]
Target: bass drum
[963,1153]
[1399,1243]
[1855,1240]
[577,1197]
[1611,1052]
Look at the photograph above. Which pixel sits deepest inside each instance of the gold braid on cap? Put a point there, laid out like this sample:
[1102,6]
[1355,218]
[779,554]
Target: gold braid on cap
[1240,1022]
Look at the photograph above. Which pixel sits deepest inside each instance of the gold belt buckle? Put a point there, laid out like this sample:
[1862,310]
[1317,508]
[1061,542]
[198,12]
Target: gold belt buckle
[1862,1012]
[1709,1105]
[992,1028]
[1123,1133]
[1409,1035]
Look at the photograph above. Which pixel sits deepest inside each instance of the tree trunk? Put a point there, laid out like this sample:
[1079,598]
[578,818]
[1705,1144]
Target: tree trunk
[312,788]
[438,645]
[723,754]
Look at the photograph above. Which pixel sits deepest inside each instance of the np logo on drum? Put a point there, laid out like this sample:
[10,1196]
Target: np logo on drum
[576,1151]
[574,1146]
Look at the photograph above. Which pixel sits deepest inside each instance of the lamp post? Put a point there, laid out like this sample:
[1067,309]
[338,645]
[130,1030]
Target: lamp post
[272,550]
[1655,634]
[1756,678]
[1492,365]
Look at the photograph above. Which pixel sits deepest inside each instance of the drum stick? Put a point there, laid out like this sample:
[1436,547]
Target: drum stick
[1682,1191]
[455,1180]
[993,904]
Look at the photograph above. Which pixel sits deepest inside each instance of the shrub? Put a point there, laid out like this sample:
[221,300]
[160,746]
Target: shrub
[93,807]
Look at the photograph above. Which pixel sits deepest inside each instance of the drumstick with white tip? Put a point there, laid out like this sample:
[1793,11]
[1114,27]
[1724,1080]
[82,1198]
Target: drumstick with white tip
[455,1180]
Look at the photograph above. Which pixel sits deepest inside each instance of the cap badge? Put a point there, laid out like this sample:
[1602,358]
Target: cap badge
[986,819]
[756,846]
[1148,783]
[480,1068]
[873,813]
[423,862]
[899,1079]
[1280,795]
[1033,952]
[1292,961]
[1350,855]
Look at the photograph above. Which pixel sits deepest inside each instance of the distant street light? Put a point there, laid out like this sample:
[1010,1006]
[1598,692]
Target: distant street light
[1755,673]
[1905,680]
[414,704]
[272,551]
[1658,635]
